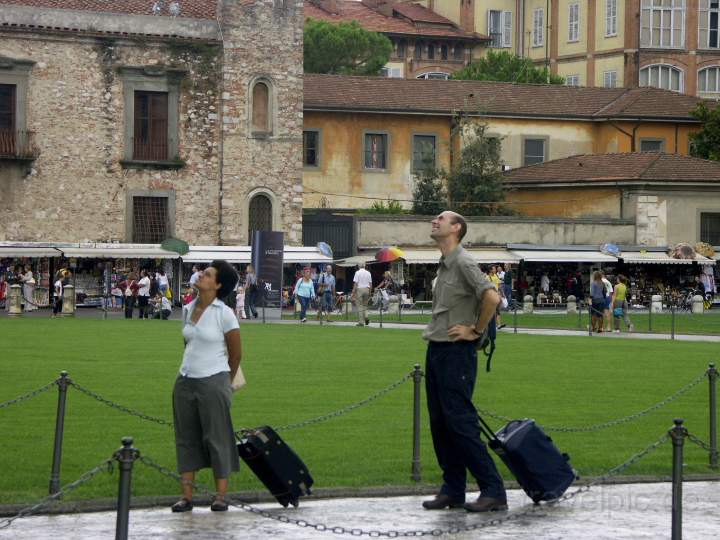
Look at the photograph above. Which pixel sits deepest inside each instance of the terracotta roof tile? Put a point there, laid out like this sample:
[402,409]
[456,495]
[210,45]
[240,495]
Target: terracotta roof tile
[418,13]
[333,92]
[368,18]
[631,167]
[194,9]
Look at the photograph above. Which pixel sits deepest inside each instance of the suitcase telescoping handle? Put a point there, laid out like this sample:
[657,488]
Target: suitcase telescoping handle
[485,430]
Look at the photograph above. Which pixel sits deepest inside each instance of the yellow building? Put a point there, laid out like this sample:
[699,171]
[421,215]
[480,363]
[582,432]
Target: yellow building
[673,44]
[368,137]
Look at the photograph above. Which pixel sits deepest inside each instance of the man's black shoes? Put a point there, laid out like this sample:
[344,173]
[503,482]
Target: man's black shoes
[442,501]
[486,504]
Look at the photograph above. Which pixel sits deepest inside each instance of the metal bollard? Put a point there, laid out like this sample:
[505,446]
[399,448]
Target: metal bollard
[515,319]
[417,380]
[712,380]
[263,311]
[672,321]
[580,311]
[62,383]
[677,434]
[589,306]
[125,456]
[347,303]
[400,308]
[650,318]
[381,317]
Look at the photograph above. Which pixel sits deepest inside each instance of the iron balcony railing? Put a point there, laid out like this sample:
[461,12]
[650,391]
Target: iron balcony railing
[18,144]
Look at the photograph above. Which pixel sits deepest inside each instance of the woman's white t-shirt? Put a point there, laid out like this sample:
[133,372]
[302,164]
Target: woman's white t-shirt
[58,289]
[205,349]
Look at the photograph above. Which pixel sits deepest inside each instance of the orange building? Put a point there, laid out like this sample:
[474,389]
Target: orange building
[367,138]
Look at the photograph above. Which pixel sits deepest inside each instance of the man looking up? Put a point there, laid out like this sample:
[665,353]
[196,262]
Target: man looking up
[464,301]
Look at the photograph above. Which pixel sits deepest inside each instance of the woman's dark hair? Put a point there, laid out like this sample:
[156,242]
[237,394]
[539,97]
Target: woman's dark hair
[226,276]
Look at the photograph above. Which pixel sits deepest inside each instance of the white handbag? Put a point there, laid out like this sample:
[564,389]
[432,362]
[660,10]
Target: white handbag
[239,380]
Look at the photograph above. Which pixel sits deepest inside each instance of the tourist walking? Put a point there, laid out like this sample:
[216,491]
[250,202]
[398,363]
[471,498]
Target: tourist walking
[507,286]
[387,289]
[597,299]
[362,288]
[251,292]
[464,302]
[607,312]
[304,292]
[28,282]
[620,305]
[58,289]
[202,396]
[143,295]
[240,302]
[130,292]
[163,282]
[326,292]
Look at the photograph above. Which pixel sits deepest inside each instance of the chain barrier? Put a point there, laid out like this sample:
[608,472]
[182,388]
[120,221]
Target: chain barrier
[610,423]
[702,444]
[344,410]
[373,533]
[29,395]
[105,465]
[119,407]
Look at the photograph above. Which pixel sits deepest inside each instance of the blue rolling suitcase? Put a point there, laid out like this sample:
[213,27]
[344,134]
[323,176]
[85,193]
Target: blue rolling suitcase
[541,470]
[275,464]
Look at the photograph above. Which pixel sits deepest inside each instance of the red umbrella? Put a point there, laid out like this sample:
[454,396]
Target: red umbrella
[389,254]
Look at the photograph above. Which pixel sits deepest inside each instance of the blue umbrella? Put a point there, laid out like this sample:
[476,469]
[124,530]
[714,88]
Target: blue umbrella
[610,249]
[325,249]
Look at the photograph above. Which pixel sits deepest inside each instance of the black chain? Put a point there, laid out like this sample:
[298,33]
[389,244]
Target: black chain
[373,533]
[119,407]
[699,442]
[105,465]
[28,395]
[610,423]
[342,411]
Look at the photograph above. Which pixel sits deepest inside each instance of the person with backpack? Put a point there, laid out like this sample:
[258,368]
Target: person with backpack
[464,302]
[326,292]
[597,299]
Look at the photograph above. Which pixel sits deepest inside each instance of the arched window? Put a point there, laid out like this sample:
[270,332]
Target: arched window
[662,76]
[709,80]
[261,108]
[259,214]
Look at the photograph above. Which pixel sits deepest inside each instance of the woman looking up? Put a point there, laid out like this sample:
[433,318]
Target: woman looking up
[202,397]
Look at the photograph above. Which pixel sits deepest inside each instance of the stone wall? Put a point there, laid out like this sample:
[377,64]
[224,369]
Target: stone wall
[373,232]
[79,188]
[263,42]
[76,190]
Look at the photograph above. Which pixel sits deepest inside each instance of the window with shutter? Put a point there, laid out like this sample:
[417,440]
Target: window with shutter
[7,120]
[150,140]
[573,22]
[538,30]
[507,29]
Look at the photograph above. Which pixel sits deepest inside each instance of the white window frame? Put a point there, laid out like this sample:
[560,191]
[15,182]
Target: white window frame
[572,80]
[610,78]
[672,18]
[538,33]
[661,68]
[434,75]
[503,28]
[716,70]
[610,18]
[705,12]
[574,22]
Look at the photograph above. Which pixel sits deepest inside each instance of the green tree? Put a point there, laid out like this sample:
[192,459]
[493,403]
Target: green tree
[475,184]
[344,48]
[706,142]
[507,67]
[429,194]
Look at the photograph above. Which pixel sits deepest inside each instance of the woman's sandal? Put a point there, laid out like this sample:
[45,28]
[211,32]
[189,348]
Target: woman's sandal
[183,505]
[219,505]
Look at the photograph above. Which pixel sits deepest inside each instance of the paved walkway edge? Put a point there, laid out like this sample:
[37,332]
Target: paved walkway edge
[254,497]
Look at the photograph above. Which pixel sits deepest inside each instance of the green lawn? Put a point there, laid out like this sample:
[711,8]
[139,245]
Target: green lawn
[296,372]
[685,323]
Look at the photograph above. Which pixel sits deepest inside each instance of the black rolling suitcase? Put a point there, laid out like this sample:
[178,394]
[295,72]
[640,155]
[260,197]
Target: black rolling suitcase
[541,470]
[275,464]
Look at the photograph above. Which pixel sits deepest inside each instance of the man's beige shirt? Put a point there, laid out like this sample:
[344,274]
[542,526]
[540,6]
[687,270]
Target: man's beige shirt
[456,299]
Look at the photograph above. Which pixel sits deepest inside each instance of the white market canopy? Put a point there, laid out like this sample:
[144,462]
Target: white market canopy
[243,254]
[432,256]
[659,257]
[85,250]
[562,256]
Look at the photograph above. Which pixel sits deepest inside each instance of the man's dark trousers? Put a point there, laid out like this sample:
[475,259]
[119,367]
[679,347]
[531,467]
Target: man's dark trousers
[450,372]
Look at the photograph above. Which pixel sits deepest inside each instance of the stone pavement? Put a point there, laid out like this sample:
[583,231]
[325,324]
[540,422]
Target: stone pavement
[611,512]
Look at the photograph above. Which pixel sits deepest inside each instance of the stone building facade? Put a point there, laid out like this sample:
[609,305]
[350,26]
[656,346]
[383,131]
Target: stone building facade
[132,124]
